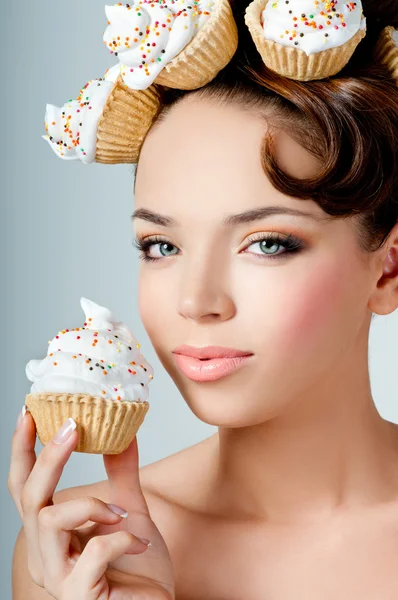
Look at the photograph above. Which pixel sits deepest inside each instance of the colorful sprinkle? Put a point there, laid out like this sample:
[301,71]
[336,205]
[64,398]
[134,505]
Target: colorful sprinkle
[104,365]
[331,17]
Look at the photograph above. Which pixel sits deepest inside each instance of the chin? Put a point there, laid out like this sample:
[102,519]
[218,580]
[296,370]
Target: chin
[215,405]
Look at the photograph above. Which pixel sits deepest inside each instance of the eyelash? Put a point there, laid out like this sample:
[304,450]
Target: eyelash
[291,243]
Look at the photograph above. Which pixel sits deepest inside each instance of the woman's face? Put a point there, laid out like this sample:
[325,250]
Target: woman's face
[299,313]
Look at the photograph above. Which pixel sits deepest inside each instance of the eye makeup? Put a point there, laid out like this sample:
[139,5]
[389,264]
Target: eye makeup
[291,243]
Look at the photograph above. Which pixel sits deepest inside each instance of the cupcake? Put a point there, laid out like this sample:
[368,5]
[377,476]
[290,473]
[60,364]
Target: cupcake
[106,123]
[386,49]
[178,44]
[306,39]
[96,375]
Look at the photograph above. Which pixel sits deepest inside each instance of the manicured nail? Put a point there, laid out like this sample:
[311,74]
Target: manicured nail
[21,416]
[145,541]
[64,432]
[119,511]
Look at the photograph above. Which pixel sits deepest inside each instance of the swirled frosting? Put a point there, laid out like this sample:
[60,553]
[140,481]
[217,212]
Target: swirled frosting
[146,35]
[101,359]
[72,128]
[312,25]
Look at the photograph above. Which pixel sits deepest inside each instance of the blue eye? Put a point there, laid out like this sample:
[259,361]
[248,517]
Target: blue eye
[144,245]
[290,243]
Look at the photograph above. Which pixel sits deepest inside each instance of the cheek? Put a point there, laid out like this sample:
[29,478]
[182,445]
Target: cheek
[316,300]
[156,304]
[306,310]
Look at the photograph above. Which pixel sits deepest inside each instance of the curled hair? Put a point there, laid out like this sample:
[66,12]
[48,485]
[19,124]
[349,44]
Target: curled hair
[349,122]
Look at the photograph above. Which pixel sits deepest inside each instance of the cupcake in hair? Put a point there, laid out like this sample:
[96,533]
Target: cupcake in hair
[386,49]
[306,39]
[176,44]
[179,44]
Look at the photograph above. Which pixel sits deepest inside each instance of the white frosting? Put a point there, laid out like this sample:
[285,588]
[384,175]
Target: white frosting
[395,36]
[148,35]
[101,359]
[283,22]
[72,128]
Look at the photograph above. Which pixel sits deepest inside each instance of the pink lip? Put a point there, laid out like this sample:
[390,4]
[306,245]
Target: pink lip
[210,351]
[208,370]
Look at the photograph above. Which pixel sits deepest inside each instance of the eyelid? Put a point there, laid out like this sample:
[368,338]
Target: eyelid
[283,230]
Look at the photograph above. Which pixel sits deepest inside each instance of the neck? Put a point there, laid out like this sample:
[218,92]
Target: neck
[327,451]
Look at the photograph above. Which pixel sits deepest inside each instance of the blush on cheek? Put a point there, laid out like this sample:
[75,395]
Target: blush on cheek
[312,310]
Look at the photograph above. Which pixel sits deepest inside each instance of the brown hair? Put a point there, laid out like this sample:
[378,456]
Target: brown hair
[348,121]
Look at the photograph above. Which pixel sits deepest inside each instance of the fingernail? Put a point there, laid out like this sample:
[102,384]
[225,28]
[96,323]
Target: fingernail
[64,432]
[145,541]
[119,511]
[21,416]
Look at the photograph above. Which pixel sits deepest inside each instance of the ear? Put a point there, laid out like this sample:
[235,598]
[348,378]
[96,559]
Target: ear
[384,299]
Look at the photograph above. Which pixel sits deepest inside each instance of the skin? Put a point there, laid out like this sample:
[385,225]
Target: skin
[296,495]
[298,428]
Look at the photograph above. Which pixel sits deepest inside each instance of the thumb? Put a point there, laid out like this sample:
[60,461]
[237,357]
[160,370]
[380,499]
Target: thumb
[124,481]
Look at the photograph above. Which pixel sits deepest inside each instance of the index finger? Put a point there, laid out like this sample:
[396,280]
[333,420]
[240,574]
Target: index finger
[36,485]
[40,485]
[23,456]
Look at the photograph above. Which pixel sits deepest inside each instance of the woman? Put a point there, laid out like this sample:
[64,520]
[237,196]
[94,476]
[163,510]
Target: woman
[296,495]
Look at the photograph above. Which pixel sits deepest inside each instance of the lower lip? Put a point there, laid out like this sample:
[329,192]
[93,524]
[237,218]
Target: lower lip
[208,370]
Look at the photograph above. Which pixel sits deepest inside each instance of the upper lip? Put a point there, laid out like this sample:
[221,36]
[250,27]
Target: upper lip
[210,351]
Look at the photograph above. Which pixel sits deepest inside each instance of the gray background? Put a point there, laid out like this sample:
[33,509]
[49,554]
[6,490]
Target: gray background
[66,232]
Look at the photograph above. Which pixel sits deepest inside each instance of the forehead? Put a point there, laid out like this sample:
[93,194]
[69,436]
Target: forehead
[208,154]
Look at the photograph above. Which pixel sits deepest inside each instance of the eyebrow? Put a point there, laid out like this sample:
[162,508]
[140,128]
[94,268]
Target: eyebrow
[244,217]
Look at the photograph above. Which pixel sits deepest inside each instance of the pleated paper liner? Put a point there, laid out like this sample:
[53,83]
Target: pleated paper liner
[294,62]
[104,426]
[209,51]
[127,116]
[386,50]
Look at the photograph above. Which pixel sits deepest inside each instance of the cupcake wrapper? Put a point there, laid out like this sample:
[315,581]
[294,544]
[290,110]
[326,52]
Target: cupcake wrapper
[294,63]
[386,51]
[209,51]
[127,116]
[104,426]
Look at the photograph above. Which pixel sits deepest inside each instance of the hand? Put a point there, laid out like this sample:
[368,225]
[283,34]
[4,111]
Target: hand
[104,561]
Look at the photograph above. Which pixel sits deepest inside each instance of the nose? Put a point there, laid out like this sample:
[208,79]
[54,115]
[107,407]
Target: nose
[205,291]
